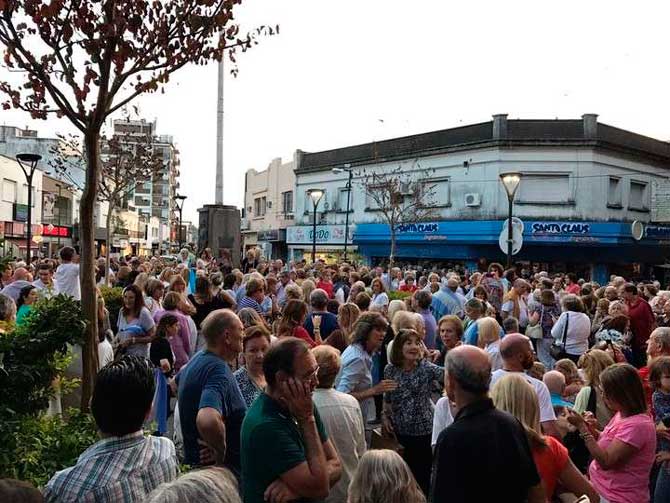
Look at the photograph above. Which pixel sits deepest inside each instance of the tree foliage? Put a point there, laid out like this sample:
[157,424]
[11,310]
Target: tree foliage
[400,196]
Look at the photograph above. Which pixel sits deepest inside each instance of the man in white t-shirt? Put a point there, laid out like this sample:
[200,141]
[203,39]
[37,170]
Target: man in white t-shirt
[517,356]
[67,274]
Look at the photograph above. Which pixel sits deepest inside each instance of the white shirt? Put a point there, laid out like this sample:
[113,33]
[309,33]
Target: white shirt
[493,350]
[342,418]
[441,418]
[67,280]
[508,307]
[577,337]
[105,353]
[543,395]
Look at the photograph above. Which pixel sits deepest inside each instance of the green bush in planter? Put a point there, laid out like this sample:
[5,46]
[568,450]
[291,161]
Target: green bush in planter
[113,302]
[399,295]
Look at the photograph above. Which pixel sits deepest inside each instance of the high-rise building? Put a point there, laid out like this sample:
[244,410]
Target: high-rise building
[155,197]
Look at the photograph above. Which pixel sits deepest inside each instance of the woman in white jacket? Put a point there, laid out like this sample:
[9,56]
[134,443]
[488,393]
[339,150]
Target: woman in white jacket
[573,338]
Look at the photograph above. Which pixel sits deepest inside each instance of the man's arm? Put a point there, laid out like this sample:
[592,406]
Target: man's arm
[333,461]
[212,430]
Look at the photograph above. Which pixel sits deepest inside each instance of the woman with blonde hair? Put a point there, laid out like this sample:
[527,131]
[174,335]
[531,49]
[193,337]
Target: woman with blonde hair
[308,286]
[488,339]
[514,395]
[340,338]
[590,397]
[395,306]
[383,477]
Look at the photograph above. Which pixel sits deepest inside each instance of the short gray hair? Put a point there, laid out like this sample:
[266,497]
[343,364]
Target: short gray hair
[471,379]
[318,298]
[7,308]
[216,484]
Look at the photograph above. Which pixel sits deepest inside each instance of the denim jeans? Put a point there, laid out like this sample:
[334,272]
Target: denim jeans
[662,490]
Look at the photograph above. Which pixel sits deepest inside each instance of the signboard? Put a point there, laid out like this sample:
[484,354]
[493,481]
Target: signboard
[549,228]
[421,228]
[20,212]
[48,205]
[657,232]
[272,235]
[56,231]
[325,234]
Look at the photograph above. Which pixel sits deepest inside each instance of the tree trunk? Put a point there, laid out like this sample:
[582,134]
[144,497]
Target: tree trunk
[89,304]
[392,254]
[110,209]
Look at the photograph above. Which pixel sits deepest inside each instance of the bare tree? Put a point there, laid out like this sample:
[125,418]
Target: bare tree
[400,196]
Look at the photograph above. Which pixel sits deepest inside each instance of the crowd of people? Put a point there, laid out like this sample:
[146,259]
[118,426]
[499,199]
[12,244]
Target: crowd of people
[338,383]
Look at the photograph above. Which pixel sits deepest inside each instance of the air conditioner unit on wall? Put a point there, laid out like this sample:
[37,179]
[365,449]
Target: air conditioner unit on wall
[473,199]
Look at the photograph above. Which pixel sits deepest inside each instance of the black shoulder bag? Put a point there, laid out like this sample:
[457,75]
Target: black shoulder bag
[557,350]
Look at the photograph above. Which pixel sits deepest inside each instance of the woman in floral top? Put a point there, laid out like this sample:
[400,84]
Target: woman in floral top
[408,410]
[250,378]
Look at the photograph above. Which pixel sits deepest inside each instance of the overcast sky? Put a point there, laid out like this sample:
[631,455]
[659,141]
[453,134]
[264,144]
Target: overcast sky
[339,68]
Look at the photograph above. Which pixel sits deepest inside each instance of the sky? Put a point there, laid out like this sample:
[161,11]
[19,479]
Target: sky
[353,71]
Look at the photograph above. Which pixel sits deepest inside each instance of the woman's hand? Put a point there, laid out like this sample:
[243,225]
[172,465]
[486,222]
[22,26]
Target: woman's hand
[387,426]
[384,385]
[663,456]
[576,420]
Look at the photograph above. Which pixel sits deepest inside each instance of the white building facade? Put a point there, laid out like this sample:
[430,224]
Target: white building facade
[583,185]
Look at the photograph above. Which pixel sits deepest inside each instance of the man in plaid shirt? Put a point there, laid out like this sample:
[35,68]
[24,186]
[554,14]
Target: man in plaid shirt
[125,466]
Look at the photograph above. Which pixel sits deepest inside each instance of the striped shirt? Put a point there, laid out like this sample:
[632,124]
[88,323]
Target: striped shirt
[115,470]
[249,302]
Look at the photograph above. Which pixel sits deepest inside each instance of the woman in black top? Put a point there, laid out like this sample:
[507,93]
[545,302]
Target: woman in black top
[160,352]
[204,302]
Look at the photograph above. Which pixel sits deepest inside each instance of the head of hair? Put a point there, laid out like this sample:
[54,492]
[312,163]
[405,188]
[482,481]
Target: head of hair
[23,295]
[404,319]
[618,322]
[255,332]
[203,288]
[593,363]
[318,299]
[474,304]
[662,337]
[513,394]
[152,286]
[363,300]
[480,291]
[658,369]
[166,321]
[213,484]
[281,358]
[19,491]
[7,308]
[547,297]
[171,301]
[555,381]
[622,384]
[406,334]
[568,368]
[177,281]
[455,321]
[395,306]
[250,317]
[470,378]
[347,314]
[510,325]
[573,303]
[293,316]
[423,299]
[216,323]
[229,281]
[138,303]
[382,475]
[254,285]
[67,253]
[489,331]
[122,396]
[630,288]
[364,326]
[378,281]
[328,359]
[308,286]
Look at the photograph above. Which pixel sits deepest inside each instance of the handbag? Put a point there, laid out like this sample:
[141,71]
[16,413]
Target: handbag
[381,441]
[557,351]
[535,331]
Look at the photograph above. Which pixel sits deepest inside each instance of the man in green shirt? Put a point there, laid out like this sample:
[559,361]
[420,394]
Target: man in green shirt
[286,453]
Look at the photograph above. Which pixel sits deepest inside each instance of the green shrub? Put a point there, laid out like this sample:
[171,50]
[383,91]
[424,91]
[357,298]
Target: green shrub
[113,302]
[42,445]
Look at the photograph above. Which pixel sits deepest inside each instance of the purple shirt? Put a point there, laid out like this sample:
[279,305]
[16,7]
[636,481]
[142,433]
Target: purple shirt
[431,328]
[180,344]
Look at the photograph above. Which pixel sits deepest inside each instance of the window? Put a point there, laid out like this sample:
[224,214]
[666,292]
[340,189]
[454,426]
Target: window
[260,206]
[264,206]
[8,191]
[614,192]
[638,196]
[436,193]
[342,200]
[549,188]
[287,202]
[370,203]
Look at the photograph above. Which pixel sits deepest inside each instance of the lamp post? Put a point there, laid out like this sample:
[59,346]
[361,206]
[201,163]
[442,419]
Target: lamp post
[315,195]
[58,205]
[511,183]
[348,169]
[28,163]
[179,200]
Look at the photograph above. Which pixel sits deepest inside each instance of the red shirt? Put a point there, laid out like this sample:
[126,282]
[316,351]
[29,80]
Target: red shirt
[573,288]
[648,392]
[303,334]
[550,462]
[642,322]
[326,286]
[407,288]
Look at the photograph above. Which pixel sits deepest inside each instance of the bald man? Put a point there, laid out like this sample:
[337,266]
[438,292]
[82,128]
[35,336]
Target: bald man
[19,281]
[517,356]
[484,454]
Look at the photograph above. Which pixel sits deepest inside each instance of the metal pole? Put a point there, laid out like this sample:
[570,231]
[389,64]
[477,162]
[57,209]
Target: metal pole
[30,213]
[509,235]
[346,218]
[181,241]
[314,233]
[59,212]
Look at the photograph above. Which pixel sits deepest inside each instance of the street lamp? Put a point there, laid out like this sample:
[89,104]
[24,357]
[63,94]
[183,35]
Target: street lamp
[511,183]
[179,200]
[58,207]
[348,169]
[28,163]
[315,195]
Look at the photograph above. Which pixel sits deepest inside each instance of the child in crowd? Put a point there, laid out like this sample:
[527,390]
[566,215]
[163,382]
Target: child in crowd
[659,378]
